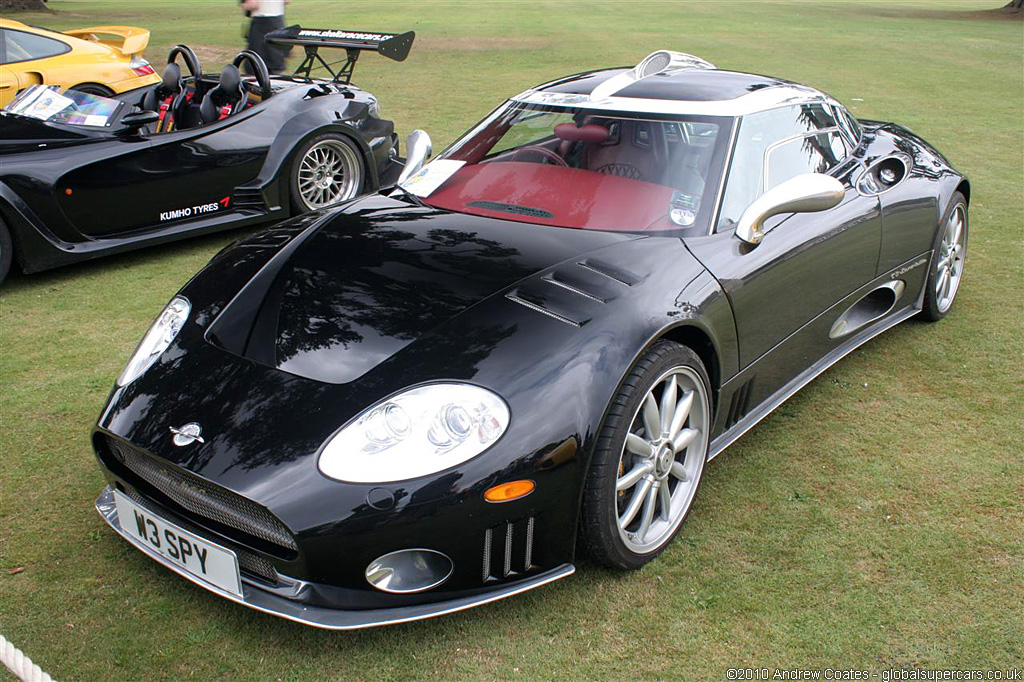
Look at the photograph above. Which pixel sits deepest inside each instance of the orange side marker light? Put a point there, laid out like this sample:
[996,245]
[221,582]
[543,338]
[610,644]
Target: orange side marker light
[506,492]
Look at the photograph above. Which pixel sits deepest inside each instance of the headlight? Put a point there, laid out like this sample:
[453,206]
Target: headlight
[374,108]
[156,340]
[418,432]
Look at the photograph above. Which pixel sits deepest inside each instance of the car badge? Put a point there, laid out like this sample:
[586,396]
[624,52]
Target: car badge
[187,434]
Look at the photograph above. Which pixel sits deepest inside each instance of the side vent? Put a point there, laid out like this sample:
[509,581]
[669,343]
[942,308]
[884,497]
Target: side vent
[508,549]
[610,271]
[515,298]
[739,404]
[248,199]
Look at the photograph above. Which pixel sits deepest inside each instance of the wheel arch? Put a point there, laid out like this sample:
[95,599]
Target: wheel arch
[699,341]
[282,168]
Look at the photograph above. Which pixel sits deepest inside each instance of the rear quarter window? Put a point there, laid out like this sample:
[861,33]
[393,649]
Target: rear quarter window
[19,46]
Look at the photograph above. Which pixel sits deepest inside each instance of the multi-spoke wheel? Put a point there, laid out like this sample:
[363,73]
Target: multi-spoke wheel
[327,170]
[948,260]
[649,458]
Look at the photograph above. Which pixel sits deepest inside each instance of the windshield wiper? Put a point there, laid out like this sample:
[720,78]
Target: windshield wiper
[410,196]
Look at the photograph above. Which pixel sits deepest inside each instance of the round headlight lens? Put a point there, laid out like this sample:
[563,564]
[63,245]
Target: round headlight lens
[418,432]
[156,340]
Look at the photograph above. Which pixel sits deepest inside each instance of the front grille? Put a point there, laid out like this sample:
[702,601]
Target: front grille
[202,498]
[247,561]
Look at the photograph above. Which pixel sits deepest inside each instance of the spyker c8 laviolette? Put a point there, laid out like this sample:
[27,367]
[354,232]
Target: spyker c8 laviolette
[429,398]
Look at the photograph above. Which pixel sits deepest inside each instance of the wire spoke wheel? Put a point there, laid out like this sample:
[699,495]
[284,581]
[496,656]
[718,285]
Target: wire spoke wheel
[662,459]
[328,173]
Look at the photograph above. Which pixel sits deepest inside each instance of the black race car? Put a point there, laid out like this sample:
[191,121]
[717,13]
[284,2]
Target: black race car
[83,175]
[422,401]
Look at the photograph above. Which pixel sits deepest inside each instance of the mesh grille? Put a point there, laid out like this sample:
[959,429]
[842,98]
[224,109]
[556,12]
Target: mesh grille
[656,63]
[247,561]
[202,498]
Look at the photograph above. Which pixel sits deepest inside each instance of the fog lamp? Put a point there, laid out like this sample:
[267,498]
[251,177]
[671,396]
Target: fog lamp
[409,570]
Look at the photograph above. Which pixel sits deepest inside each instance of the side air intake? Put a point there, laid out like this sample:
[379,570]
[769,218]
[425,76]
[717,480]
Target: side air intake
[662,61]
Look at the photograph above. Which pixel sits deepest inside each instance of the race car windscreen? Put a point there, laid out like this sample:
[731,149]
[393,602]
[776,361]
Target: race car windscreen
[582,168]
[45,103]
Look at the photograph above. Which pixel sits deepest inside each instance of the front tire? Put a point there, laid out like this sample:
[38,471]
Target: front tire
[949,256]
[326,170]
[649,459]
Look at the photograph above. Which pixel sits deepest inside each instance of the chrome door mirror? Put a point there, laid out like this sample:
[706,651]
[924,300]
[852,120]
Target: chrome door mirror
[805,193]
[418,149]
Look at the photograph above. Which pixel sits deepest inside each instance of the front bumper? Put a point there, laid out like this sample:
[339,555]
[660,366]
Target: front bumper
[333,619]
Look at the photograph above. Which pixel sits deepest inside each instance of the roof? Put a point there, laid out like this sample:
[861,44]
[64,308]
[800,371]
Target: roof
[698,91]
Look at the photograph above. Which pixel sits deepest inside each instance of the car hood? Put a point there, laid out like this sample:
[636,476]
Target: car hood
[358,288]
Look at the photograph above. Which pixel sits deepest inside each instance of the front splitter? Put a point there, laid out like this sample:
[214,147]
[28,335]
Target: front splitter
[321,617]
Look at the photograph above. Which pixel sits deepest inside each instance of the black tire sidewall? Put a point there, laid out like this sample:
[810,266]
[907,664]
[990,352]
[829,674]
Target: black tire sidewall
[93,89]
[599,518]
[295,198]
[929,307]
[6,251]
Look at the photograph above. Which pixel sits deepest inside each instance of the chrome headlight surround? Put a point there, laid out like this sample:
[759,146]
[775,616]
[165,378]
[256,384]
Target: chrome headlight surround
[160,335]
[417,432]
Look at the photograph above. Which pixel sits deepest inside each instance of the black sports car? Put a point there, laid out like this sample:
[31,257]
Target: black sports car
[421,401]
[83,175]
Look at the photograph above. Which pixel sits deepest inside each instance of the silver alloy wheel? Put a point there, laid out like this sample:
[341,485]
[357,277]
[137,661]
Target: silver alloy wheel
[949,268]
[329,173]
[662,460]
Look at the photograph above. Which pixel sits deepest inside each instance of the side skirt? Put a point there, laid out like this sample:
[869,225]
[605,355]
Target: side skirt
[783,394]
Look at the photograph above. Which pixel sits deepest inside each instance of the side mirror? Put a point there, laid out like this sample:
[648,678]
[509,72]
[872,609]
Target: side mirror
[805,193]
[418,149]
[136,120]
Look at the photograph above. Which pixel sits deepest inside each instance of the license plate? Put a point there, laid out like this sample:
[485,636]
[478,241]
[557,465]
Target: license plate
[201,558]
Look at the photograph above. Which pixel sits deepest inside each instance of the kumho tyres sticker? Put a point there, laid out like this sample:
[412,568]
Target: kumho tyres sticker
[191,211]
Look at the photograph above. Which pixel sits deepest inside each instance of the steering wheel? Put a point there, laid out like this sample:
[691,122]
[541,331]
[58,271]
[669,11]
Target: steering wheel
[195,67]
[543,151]
[258,68]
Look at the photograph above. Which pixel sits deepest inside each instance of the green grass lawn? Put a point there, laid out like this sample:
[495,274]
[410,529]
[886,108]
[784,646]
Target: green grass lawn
[875,520]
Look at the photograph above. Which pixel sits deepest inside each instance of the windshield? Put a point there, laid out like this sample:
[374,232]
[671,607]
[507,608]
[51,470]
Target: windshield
[582,168]
[45,103]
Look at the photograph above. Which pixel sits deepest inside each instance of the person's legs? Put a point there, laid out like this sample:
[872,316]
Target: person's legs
[272,54]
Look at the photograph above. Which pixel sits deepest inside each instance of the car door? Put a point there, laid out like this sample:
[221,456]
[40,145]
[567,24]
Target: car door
[806,262]
[164,180]
[8,86]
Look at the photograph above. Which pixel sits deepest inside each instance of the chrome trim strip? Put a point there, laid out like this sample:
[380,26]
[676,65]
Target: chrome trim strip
[541,310]
[550,279]
[321,617]
[759,100]
[786,392]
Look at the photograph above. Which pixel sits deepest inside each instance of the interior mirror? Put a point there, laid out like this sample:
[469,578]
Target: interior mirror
[418,149]
[805,193]
[135,120]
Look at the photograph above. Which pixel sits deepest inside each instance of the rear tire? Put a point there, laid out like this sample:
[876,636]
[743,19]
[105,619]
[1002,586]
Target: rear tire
[949,255]
[326,170]
[93,89]
[649,459]
[6,252]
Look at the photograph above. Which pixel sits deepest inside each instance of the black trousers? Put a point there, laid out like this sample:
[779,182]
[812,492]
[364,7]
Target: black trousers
[273,55]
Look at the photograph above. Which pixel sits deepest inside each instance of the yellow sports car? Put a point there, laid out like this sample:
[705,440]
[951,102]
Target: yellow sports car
[84,59]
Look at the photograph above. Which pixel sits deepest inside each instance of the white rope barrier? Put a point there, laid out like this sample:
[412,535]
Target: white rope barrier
[20,664]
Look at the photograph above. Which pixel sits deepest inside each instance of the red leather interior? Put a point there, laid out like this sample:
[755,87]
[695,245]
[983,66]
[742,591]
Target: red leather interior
[577,198]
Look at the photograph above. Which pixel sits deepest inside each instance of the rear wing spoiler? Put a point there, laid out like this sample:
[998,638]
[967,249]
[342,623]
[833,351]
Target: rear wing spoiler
[391,45]
[133,40]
